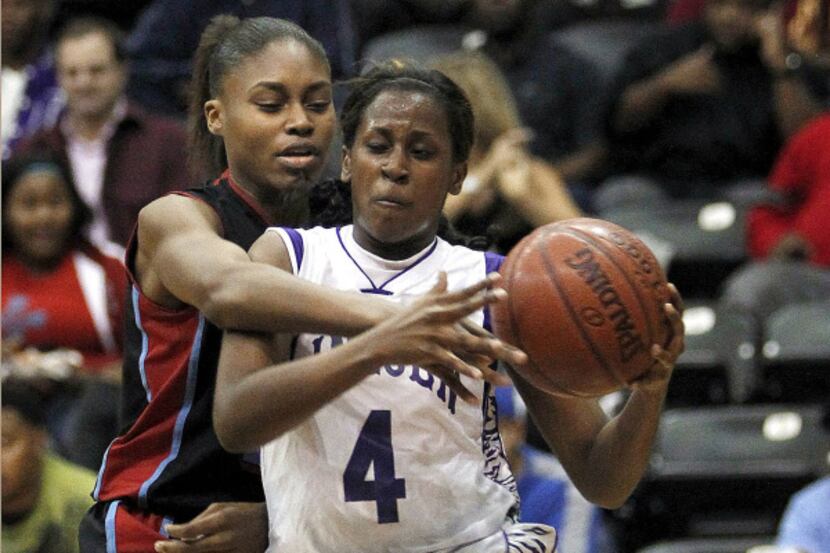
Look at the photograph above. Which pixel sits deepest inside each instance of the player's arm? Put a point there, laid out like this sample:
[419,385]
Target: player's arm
[605,458]
[182,259]
[256,400]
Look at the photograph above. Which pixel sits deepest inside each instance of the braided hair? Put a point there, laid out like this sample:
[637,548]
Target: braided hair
[330,201]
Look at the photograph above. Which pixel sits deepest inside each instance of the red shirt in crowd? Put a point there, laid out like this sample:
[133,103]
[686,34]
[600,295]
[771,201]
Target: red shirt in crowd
[79,305]
[801,173]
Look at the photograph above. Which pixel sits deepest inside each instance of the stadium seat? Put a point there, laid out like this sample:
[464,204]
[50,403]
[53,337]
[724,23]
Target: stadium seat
[719,362]
[796,353]
[704,241]
[724,471]
[605,42]
[417,43]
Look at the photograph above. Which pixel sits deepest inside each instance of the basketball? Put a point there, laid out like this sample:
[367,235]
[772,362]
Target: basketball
[585,302]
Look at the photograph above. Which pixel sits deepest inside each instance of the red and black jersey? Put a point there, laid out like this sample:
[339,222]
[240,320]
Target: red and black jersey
[167,459]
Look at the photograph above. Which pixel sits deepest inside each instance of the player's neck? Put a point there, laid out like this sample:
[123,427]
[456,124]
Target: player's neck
[283,206]
[388,250]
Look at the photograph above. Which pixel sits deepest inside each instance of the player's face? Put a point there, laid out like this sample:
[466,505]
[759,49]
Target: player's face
[276,117]
[401,168]
[21,452]
[39,215]
[90,75]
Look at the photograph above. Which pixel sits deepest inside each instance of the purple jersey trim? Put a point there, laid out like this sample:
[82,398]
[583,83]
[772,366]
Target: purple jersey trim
[492,263]
[375,289]
[297,244]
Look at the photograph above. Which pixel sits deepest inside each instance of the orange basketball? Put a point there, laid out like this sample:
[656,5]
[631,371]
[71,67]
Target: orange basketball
[585,302]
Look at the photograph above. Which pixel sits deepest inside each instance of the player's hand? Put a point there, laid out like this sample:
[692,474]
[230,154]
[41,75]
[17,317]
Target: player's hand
[665,355]
[222,527]
[432,334]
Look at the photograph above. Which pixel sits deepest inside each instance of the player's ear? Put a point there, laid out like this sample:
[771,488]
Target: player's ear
[346,165]
[215,116]
[459,173]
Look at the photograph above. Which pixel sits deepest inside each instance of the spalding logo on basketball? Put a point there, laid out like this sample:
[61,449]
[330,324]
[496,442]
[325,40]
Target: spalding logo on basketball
[585,302]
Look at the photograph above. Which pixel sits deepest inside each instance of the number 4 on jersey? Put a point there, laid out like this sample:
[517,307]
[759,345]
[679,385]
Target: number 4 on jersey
[374,448]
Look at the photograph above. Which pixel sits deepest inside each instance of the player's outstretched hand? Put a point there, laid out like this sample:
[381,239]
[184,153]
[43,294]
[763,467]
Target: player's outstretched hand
[432,334]
[665,355]
[221,528]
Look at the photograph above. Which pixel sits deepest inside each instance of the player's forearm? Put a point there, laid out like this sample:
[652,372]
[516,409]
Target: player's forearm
[266,299]
[263,405]
[622,449]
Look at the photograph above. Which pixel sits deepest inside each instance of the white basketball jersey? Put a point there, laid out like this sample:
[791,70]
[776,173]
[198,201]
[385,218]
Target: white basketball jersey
[397,463]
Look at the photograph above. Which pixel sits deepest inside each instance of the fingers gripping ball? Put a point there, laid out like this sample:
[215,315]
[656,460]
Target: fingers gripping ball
[585,301]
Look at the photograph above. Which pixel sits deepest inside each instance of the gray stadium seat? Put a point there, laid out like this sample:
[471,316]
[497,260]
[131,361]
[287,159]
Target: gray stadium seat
[719,362]
[725,471]
[706,240]
[796,352]
[605,42]
[418,43]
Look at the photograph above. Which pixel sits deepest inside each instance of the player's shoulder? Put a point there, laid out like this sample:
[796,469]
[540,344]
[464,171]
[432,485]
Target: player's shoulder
[303,244]
[455,254]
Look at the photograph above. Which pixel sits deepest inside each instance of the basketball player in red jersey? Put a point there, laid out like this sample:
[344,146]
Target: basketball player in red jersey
[262,113]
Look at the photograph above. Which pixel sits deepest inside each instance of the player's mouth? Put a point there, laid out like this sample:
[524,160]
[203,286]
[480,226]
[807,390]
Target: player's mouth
[299,155]
[390,203]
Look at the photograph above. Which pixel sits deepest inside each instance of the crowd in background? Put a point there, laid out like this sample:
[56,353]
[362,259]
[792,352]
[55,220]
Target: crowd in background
[582,107]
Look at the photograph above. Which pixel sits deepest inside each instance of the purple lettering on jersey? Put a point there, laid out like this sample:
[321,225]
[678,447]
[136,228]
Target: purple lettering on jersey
[425,382]
[419,375]
[395,370]
[317,343]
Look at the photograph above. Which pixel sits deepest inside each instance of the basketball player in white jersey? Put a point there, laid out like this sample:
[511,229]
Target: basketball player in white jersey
[364,449]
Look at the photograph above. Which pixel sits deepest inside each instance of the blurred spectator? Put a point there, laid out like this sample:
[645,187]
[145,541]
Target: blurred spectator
[797,226]
[165,36]
[556,91]
[93,423]
[121,156]
[789,240]
[808,28]
[373,18]
[805,525]
[546,494]
[123,14]
[701,107]
[44,497]
[681,12]
[31,97]
[58,291]
[508,191]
